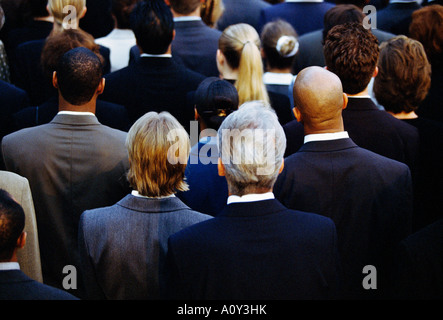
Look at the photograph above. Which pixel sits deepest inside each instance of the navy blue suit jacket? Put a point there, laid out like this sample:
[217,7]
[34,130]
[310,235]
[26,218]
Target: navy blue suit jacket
[396,17]
[303,16]
[241,11]
[153,84]
[15,285]
[368,196]
[256,250]
[196,44]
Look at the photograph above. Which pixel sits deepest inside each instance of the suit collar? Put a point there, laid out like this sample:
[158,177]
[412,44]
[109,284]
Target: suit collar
[76,120]
[355,104]
[328,146]
[150,205]
[252,209]
[13,276]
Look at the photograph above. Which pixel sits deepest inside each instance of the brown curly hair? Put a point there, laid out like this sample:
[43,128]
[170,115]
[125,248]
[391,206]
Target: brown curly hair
[351,52]
[404,76]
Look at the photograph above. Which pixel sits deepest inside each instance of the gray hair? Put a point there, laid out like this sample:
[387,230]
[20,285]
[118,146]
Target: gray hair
[251,147]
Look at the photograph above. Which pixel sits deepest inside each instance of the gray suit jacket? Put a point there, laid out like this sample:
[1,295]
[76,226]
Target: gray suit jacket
[29,256]
[74,163]
[123,247]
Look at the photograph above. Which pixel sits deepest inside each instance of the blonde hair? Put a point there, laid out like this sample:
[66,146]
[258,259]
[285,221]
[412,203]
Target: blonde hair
[150,142]
[56,8]
[240,45]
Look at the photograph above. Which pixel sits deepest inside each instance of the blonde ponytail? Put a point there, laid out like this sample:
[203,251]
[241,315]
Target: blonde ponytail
[59,10]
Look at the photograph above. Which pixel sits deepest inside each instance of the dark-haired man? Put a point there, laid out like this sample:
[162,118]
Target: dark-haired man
[73,163]
[14,284]
[155,82]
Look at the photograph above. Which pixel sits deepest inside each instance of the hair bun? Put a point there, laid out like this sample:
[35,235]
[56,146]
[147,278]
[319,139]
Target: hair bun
[287,46]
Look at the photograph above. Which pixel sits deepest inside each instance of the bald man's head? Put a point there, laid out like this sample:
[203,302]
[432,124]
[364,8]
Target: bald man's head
[319,98]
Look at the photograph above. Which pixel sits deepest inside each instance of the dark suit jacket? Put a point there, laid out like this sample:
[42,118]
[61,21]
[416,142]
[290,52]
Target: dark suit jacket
[303,16]
[29,75]
[12,100]
[241,11]
[310,52]
[380,132]
[123,247]
[419,265]
[432,106]
[369,198]
[196,45]
[396,17]
[256,250]
[98,19]
[108,114]
[153,84]
[208,192]
[15,285]
[73,163]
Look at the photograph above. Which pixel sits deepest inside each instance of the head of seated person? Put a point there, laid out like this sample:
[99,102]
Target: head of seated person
[158,148]
[404,76]
[251,149]
[215,99]
[351,52]
[121,12]
[58,44]
[279,45]
[341,14]
[66,13]
[79,80]
[153,26]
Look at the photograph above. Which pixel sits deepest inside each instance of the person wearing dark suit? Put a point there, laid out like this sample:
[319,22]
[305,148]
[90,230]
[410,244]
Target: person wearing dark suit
[73,163]
[418,265]
[402,83]
[194,43]
[152,213]
[155,82]
[14,283]
[367,125]
[368,196]
[396,16]
[241,11]
[304,15]
[311,44]
[98,19]
[12,100]
[256,248]
[214,100]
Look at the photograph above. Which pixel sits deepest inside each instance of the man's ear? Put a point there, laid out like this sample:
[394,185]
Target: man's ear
[297,114]
[54,79]
[345,100]
[375,72]
[21,241]
[101,86]
[196,115]
[221,168]
[282,166]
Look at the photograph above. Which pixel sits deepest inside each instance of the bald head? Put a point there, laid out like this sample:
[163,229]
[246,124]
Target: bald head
[319,99]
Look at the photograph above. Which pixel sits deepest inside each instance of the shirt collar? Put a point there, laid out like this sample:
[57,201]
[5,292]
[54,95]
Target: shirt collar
[278,78]
[135,193]
[191,18]
[252,197]
[326,136]
[4,266]
[165,55]
[76,113]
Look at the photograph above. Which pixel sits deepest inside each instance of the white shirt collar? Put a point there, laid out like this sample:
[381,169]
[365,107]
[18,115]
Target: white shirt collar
[191,18]
[76,113]
[304,0]
[326,136]
[165,55]
[135,193]
[278,78]
[4,266]
[252,197]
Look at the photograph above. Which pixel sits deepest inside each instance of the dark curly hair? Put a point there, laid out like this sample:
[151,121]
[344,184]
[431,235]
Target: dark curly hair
[351,52]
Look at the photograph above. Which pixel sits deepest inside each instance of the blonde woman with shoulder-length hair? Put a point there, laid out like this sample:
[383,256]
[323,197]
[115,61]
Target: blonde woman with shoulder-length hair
[158,148]
[239,61]
[67,13]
